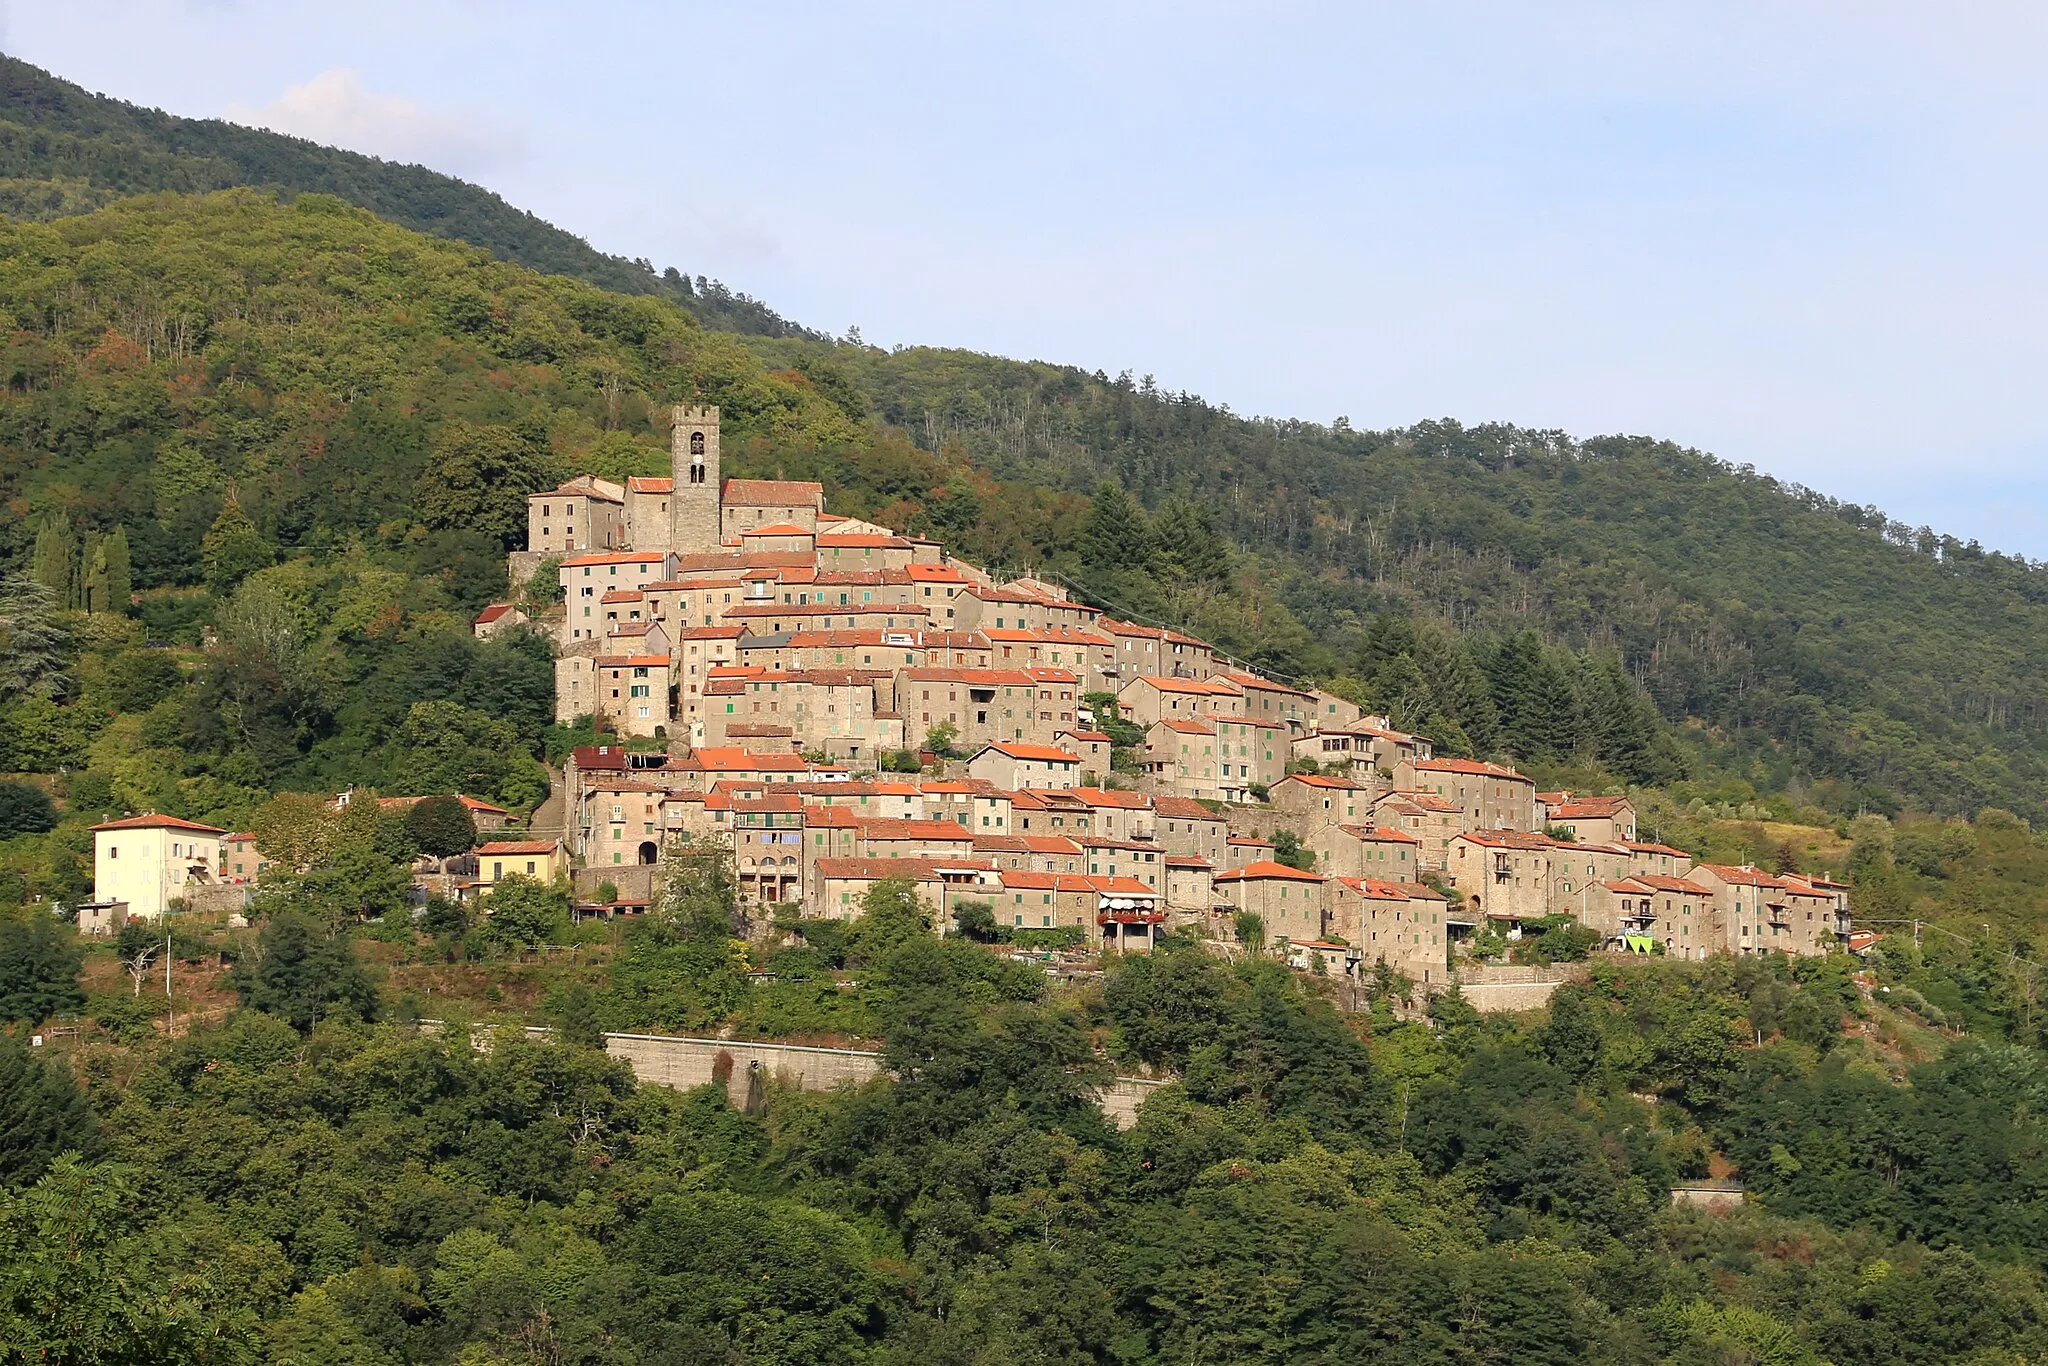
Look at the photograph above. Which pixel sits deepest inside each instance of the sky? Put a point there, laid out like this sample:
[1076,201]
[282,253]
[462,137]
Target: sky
[1801,235]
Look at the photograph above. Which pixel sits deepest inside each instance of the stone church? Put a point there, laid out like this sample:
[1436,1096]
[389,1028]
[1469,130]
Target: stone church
[693,512]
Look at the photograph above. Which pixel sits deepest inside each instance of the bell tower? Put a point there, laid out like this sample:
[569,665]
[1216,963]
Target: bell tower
[694,506]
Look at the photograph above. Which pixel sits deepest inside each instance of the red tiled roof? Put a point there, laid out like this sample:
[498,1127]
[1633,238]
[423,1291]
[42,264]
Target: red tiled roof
[778,529]
[154,822]
[1470,767]
[917,869]
[770,492]
[492,613]
[517,847]
[647,483]
[1266,869]
[1379,832]
[1044,754]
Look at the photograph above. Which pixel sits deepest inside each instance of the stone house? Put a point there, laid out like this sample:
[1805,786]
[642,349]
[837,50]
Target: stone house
[1150,699]
[748,504]
[1095,748]
[587,578]
[1369,851]
[1184,826]
[1590,820]
[1402,924]
[983,705]
[496,619]
[1290,902]
[1492,796]
[585,514]
[1311,800]
[842,883]
[1015,766]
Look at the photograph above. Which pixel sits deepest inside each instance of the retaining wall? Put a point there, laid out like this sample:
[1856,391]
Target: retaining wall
[745,1068]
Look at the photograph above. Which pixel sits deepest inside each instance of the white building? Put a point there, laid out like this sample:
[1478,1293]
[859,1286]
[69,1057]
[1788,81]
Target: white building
[148,861]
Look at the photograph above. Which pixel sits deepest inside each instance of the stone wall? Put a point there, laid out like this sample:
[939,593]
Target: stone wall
[635,881]
[1515,986]
[745,1068]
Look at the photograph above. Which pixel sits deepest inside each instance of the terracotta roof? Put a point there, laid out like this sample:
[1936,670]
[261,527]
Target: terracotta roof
[1590,808]
[1671,884]
[1109,796]
[1379,832]
[1182,809]
[854,540]
[617,557]
[770,492]
[732,760]
[155,822]
[1266,869]
[778,529]
[1199,687]
[1027,844]
[492,613]
[1044,754]
[917,869]
[1187,861]
[1093,737]
[1316,780]
[647,483]
[1470,767]
[517,847]
[1740,876]
[1181,727]
[1641,848]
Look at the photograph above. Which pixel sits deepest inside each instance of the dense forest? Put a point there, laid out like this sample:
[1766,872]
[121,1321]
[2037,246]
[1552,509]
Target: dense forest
[317,1176]
[64,150]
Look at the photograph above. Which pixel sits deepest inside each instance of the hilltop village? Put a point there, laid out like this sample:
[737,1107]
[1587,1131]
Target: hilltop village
[839,704]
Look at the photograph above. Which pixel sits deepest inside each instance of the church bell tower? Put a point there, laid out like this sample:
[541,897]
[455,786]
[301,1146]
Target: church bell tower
[693,449]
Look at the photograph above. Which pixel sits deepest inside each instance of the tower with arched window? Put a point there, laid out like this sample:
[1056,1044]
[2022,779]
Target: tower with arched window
[693,449]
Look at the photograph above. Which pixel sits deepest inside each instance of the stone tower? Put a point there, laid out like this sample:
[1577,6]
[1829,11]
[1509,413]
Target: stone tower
[693,449]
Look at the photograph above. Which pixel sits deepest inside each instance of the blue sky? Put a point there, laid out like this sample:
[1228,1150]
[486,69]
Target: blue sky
[1804,236]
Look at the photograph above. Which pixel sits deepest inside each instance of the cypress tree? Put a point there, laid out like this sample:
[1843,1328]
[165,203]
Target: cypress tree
[114,572]
[51,563]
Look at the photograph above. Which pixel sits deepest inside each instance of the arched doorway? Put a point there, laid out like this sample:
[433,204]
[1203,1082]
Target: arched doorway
[649,854]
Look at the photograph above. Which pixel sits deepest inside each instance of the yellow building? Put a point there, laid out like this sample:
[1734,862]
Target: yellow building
[540,860]
[148,861]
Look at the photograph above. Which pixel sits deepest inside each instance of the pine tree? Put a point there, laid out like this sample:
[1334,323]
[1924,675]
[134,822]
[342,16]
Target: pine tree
[1188,543]
[233,548]
[32,640]
[1468,722]
[1514,670]
[1115,535]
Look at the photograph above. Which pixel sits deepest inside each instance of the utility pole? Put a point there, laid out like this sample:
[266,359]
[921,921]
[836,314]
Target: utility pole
[171,1011]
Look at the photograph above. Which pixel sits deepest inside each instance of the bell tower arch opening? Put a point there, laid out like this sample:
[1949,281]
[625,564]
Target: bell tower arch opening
[693,454]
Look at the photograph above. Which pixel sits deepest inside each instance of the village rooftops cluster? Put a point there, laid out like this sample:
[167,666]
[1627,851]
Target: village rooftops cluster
[762,647]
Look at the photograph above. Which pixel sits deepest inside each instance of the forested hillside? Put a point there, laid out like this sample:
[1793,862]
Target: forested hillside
[64,150]
[309,1176]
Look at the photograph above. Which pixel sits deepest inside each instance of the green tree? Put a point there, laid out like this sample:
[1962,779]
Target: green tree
[303,974]
[25,810]
[477,478]
[522,912]
[109,579]
[39,965]
[233,548]
[33,641]
[51,563]
[42,1113]
[442,826]
[82,1285]
[1115,536]
[1288,849]
[577,1022]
